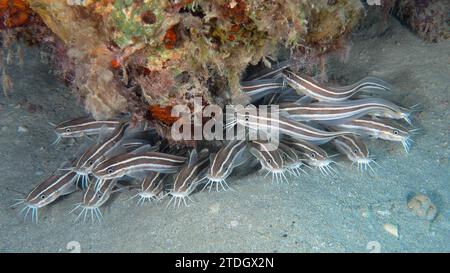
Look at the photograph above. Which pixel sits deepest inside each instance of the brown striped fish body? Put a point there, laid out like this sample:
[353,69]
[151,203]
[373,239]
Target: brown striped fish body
[292,161]
[223,163]
[189,177]
[288,127]
[355,150]
[47,192]
[312,154]
[345,110]
[133,144]
[306,85]
[96,197]
[270,159]
[85,126]
[380,128]
[52,188]
[129,163]
[97,152]
[93,199]
[151,188]
[261,88]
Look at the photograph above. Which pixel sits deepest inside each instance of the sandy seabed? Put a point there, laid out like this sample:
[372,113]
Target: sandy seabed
[313,213]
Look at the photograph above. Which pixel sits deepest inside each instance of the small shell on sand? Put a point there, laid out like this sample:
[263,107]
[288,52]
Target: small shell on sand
[22,129]
[391,229]
[422,206]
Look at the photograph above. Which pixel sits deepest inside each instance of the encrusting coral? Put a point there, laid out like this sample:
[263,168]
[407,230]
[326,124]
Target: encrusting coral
[429,19]
[135,56]
[14,13]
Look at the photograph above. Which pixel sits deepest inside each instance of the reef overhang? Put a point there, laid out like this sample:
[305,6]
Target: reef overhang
[130,56]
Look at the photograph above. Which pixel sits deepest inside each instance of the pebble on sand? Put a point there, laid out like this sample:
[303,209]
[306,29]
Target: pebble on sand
[234,223]
[391,229]
[422,206]
[22,129]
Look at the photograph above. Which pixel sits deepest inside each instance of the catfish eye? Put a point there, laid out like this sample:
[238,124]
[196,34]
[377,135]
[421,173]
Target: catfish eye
[42,196]
[68,130]
[313,155]
[109,170]
[247,118]
[91,162]
[269,161]
[355,151]
[395,132]
[99,195]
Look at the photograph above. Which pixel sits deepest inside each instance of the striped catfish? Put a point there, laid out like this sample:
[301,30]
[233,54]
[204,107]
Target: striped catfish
[292,161]
[188,177]
[84,126]
[96,153]
[380,128]
[131,163]
[47,192]
[93,199]
[312,154]
[151,188]
[345,110]
[306,85]
[260,88]
[223,162]
[286,126]
[271,159]
[355,150]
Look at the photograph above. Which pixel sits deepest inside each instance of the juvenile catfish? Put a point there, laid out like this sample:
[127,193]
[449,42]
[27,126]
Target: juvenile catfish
[83,126]
[130,163]
[337,112]
[223,164]
[97,152]
[312,154]
[306,85]
[188,177]
[271,159]
[381,129]
[93,199]
[355,150]
[47,192]
[151,188]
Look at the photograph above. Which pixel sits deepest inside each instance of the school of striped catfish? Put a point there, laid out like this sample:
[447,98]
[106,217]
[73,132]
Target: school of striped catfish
[313,120]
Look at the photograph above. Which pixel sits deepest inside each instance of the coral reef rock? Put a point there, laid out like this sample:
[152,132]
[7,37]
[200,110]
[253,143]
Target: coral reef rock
[130,56]
[429,19]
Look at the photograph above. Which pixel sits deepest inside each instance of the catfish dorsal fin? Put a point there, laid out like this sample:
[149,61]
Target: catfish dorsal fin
[103,135]
[144,148]
[304,100]
[202,154]
[192,157]
[254,152]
